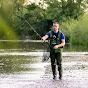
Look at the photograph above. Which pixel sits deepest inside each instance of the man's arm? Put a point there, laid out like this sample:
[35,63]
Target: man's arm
[44,37]
[60,45]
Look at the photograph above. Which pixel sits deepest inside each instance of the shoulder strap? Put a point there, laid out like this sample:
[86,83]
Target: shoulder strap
[50,34]
[59,34]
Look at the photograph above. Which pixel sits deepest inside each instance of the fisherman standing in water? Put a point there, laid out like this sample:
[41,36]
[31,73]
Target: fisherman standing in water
[57,42]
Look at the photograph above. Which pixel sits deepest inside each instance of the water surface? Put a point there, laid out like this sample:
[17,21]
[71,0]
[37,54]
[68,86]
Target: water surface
[23,59]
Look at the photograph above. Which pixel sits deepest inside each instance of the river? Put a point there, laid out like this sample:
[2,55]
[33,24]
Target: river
[21,63]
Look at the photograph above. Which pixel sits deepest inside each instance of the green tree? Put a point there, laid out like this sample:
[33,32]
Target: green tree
[76,30]
[63,10]
[36,16]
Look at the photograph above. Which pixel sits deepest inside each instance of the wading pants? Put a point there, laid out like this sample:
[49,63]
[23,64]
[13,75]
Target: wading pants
[56,58]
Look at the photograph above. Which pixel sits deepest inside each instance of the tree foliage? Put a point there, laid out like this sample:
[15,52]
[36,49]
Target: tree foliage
[36,16]
[14,12]
[76,30]
[63,10]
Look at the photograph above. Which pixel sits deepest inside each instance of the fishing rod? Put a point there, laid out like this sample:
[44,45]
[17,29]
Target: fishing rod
[33,29]
[30,26]
[46,55]
[46,44]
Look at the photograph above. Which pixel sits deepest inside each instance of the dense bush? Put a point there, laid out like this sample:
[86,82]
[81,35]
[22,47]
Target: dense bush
[76,31]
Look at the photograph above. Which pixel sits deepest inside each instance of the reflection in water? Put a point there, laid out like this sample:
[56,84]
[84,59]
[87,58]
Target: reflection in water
[22,55]
[37,46]
[22,66]
[21,45]
[11,64]
[76,48]
[26,57]
[17,64]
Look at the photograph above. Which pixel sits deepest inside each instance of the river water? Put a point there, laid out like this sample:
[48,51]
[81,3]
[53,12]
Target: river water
[21,62]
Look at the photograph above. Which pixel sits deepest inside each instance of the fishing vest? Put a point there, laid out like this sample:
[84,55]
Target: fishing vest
[55,40]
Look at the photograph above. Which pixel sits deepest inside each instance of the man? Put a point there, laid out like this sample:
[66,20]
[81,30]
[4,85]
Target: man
[57,41]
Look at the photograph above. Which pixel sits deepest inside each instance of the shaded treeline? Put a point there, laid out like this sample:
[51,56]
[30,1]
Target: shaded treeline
[69,13]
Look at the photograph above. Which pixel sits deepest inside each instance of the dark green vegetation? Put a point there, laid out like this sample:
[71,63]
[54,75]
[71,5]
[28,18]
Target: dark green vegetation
[70,14]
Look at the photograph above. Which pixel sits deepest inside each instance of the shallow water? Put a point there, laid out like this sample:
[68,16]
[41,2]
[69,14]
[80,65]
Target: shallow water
[21,64]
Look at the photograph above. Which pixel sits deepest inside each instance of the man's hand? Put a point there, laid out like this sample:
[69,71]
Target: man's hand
[44,38]
[60,45]
[55,47]
[42,41]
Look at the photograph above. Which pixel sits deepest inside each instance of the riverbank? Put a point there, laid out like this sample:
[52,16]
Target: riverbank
[75,75]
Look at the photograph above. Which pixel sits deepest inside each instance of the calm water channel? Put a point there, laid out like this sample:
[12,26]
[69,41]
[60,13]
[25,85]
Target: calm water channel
[23,59]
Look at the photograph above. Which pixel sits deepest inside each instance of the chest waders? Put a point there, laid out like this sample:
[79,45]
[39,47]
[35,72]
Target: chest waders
[56,54]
